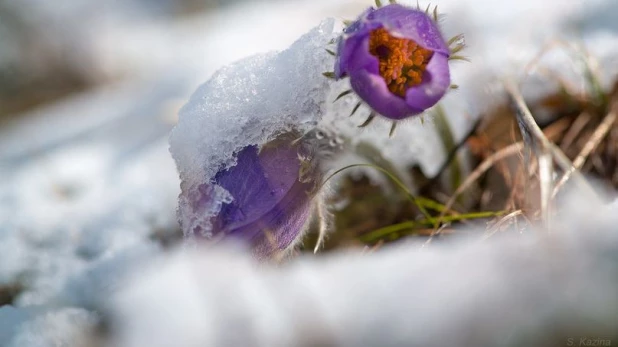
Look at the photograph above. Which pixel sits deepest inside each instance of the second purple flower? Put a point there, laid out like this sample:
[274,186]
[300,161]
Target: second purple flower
[397,60]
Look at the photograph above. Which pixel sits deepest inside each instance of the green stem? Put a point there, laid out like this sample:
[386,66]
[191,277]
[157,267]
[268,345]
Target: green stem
[448,142]
[405,226]
[398,182]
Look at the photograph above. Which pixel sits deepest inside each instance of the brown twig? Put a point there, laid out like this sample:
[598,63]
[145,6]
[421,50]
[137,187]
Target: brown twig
[593,142]
[576,128]
[546,153]
[503,220]
[517,177]
[554,129]
[476,174]
[535,142]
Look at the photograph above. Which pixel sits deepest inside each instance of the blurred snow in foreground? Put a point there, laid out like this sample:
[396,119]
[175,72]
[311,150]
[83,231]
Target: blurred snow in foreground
[88,181]
[511,290]
[529,290]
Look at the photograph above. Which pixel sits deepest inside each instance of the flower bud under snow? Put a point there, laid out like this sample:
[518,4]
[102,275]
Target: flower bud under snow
[248,151]
[273,192]
[271,202]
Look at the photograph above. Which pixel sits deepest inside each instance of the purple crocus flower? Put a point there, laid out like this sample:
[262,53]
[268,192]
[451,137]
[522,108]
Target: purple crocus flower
[272,197]
[397,60]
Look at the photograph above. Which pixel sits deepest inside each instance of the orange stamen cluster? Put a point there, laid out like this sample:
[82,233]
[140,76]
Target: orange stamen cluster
[402,61]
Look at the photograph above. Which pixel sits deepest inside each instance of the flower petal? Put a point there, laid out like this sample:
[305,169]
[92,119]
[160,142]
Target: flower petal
[280,227]
[248,185]
[411,24]
[436,81]
[353,49]
[372,88]
[267,197]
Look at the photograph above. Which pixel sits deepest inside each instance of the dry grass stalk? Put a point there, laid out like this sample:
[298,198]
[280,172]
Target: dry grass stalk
[593,142]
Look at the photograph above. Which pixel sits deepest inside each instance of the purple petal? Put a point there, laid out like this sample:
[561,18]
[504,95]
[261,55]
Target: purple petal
[411,24]
[436,81]
[351,46]
[372,88]
[268,198]
[279,227]
[360,23]
[355,55]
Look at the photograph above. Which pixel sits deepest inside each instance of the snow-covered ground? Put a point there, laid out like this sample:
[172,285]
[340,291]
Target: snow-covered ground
[87,182]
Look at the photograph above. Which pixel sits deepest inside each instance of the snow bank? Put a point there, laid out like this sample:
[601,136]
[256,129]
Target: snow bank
[513,290]
[102,183]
